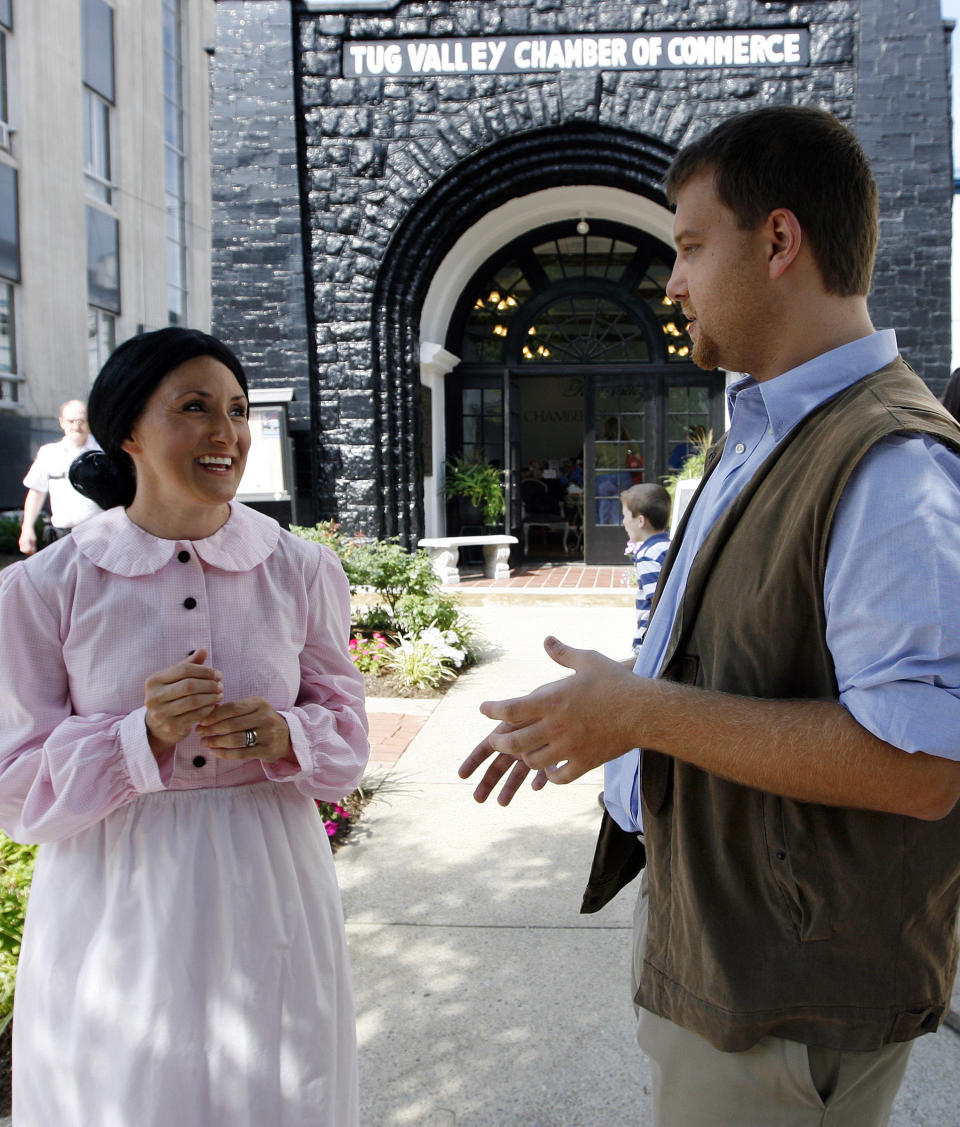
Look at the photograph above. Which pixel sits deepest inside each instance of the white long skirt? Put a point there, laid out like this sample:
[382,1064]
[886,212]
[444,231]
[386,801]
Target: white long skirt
[184,962]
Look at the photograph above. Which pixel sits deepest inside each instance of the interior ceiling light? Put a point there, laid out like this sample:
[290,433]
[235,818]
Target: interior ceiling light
[583,227]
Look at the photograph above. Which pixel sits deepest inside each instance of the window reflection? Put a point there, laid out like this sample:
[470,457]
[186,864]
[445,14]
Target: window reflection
[98,47]
[103,257]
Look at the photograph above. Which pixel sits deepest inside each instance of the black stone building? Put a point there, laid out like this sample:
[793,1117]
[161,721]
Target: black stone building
[441,224]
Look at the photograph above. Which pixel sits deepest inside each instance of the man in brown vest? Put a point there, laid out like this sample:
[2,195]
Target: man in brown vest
[797,694]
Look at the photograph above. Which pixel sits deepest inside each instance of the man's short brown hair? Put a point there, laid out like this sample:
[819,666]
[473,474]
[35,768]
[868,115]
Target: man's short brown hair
[803,159]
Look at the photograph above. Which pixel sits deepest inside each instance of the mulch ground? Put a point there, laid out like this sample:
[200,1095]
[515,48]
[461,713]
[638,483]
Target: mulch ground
[386,685]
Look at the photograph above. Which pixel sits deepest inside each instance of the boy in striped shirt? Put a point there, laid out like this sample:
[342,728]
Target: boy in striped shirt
[646,514]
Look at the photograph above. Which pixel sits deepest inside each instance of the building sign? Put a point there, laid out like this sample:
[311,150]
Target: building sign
[520,54]
[349,5]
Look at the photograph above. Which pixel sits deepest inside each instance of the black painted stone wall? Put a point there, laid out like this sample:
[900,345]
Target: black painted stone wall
[903,121]
[376,148]
[259,302]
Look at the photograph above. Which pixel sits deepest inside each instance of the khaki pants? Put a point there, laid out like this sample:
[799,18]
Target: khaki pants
[776,1083]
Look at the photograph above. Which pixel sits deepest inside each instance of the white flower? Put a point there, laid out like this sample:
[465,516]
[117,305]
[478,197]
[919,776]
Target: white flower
[442,643]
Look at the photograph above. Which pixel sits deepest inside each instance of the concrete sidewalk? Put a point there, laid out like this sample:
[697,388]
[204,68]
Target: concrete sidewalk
[483,998]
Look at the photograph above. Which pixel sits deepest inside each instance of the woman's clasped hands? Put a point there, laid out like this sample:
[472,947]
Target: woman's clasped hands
[189,695]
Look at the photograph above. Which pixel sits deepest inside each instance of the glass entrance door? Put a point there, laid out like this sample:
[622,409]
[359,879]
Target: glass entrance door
[619,451]
[574,361]
[641,424]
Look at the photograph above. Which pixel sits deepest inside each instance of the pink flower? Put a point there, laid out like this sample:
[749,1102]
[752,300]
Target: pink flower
[331,828]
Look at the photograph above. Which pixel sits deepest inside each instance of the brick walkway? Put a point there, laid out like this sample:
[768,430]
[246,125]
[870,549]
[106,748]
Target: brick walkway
[390,735]
[394,721]
[555,576]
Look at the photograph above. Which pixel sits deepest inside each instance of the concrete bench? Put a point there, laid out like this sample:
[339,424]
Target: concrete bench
[445,555]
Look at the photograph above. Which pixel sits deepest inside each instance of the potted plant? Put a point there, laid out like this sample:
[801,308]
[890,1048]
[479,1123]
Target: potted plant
[480,484]
[692,466]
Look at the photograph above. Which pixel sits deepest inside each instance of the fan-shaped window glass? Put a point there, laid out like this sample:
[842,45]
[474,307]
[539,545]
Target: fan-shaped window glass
[556,296]
[585,330]
[583,256]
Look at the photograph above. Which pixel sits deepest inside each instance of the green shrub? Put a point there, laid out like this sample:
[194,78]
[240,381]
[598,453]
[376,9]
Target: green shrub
[386,567]
[16,872]
[408,603]
[10,532]
[10,524]
[416,614]
[383,567]
[9,535]
[326,532]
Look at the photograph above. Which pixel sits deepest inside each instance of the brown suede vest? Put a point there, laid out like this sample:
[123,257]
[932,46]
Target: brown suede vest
[825,925]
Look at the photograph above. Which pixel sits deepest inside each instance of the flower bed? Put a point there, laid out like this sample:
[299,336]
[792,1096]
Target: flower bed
[339,817]
[402,623]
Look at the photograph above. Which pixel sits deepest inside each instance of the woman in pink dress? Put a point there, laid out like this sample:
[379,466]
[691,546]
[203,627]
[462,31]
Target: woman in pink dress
[175,693]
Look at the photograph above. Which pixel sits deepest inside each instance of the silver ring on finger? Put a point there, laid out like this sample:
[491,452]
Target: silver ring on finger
[252,737]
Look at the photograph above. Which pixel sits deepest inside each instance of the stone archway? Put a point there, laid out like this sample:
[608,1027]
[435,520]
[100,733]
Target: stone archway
[519,165]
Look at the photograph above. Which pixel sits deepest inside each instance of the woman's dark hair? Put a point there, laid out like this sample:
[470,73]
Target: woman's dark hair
[134,370]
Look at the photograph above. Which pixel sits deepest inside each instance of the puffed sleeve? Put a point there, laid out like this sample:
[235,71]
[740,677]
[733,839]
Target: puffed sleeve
[59,773]
[328,724]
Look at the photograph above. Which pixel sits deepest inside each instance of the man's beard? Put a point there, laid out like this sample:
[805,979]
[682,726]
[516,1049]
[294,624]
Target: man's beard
[705,352]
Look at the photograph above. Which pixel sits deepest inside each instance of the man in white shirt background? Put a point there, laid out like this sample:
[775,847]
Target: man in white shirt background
[48,475]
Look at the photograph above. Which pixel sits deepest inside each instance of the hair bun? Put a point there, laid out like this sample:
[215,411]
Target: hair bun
[105,481]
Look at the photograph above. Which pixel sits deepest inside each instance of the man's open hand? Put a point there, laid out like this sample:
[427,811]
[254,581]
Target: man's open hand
[562,729]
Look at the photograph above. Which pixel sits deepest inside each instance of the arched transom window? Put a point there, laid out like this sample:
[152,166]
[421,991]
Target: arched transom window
[592,292]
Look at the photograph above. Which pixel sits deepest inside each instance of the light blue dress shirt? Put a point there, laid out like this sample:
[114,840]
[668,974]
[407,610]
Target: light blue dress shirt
[892,584]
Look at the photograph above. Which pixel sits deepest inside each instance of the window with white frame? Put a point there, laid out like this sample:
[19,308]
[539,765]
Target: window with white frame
[10,379]
[96,146]
[6,26]
[103,229]
[4,105]
[175,161]
[101,338]
[99,94]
